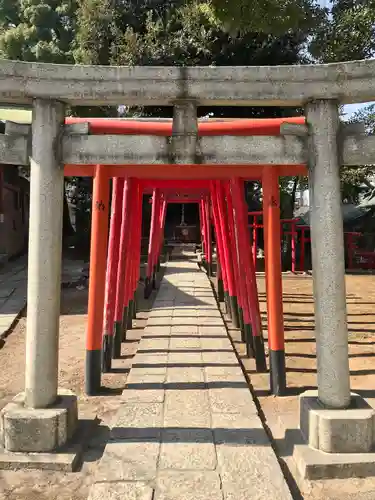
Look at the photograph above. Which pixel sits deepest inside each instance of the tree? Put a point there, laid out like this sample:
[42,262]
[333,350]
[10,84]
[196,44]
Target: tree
[96,32]
[268,16]
[37,30]
[347,32]
[181,33]
[359,182]
[40,31]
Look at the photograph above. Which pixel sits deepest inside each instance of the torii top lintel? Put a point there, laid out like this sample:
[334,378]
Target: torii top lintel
[346,82]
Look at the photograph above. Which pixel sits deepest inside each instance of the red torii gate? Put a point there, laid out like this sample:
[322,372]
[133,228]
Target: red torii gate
[229,213]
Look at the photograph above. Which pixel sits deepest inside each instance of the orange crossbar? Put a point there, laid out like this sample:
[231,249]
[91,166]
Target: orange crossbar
[247,127]
[166,171]
[239,127]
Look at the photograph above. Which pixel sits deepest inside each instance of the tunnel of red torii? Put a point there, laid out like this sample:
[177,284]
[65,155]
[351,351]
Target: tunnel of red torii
[157,156]
[221,204]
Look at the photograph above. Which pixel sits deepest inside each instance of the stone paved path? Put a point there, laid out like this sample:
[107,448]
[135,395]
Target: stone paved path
[13,288]
[188,428]
[13,292]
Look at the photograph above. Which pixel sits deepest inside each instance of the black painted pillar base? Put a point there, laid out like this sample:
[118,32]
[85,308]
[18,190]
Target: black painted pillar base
[227,305]
[260,355]
[93,372]
[249,340]
[124,323]
[154,280]
[130,315]
[107,350]
[117,337]
[242,324]
[277,373]
[135,306]
[220,290]
[234,308]
[148,288]
[209,269]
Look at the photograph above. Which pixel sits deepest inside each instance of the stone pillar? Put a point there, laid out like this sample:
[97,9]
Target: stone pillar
[327,246]
[45,247]
[43,418]
[184,133]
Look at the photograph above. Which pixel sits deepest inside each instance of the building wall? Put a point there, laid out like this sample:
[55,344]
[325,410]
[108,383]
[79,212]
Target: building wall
[14,222]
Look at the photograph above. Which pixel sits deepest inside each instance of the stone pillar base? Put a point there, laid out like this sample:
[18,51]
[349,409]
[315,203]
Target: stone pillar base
[38,430]
[339,443]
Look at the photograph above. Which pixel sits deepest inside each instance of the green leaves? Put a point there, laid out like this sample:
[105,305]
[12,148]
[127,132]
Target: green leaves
[348,34]
[267,16]
[35,30]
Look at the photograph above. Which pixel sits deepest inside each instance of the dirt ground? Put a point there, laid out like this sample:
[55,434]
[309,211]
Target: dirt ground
[281,414]
[43,485]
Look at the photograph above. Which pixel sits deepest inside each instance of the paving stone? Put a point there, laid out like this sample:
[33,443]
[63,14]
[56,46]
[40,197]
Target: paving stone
[231,400]
[208,313]
[6,321]
[142,371]
[144,388]
[159,321]
[184,330]
[129,461]
[147,344]
[156,331]
[187,409]
[213,331]
[218,344]
[121,491]
[185,358]
[188,485]
[150,361]
[140,376]
[190,449]
[155,313]
[138,421]
[186,312]
[220,358]
[138,395]
[231,379]
[6,292]
[251,472]
[163,304]
[186,303]
[185,376]
[185,343]
[234,373]
[207,321]
[238,429]
[185,321]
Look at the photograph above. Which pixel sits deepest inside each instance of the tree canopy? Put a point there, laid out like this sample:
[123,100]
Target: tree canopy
[269,16]
[347,32]
[33,30]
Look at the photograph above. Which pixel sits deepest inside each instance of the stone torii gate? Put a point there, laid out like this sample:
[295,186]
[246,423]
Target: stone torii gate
[43,417]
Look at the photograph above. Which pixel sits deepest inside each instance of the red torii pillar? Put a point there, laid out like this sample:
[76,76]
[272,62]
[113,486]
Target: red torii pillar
[111,274]
[272,238]
[120,286]
[98,254]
